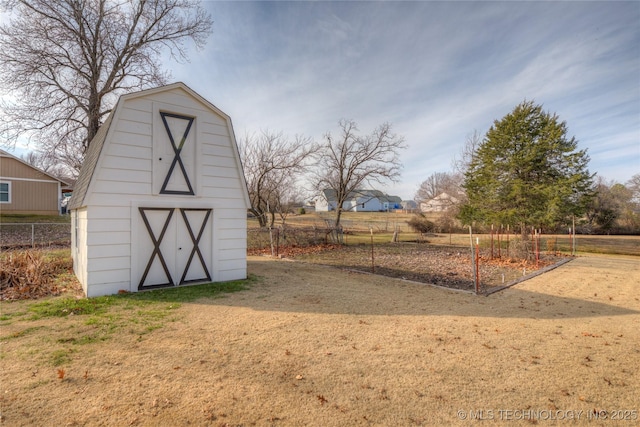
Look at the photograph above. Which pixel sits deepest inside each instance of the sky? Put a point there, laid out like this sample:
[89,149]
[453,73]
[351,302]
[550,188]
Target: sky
[436,71]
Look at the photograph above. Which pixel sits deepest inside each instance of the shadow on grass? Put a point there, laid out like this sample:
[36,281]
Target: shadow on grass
[324,290]
[284,286]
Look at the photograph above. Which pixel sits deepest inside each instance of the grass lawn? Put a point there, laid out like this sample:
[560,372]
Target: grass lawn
[308,345]
[29,219]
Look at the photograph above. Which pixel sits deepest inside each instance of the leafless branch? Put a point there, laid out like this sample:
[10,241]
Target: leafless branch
[347,163]
[66,62]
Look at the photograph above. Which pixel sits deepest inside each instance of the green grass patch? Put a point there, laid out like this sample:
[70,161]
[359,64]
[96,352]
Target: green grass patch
[23,332]
[87,321]
[7,317]
[28,218]
[60,357]
[99,306]
[191,293]
[95,320]
[84,339]
[60,307]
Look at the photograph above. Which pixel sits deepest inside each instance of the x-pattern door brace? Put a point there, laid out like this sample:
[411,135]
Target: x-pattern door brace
[195,239]
[196,248]
[177,149]
[156,248]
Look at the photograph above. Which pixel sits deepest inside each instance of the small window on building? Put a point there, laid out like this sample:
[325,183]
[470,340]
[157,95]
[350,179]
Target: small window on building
[5,192]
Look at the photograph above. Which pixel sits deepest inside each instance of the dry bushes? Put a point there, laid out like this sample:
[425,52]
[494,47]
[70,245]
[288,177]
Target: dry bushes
[261,239]
[420,224]
[31,274]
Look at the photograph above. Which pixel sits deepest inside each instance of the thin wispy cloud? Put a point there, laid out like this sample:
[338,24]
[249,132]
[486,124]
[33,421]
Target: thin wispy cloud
[436,70]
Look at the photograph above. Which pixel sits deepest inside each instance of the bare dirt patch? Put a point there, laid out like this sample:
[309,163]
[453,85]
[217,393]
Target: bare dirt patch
[314,345]
[448,266]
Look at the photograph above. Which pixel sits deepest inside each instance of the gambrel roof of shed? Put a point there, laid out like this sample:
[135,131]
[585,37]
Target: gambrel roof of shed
[89,164]
[95,147]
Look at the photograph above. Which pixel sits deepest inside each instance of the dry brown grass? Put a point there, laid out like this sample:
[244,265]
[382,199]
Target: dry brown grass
[312,345]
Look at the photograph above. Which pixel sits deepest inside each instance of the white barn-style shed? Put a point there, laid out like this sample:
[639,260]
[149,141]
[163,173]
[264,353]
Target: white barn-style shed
[161,199]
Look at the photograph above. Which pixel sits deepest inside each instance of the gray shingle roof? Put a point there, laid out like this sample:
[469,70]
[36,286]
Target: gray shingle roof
[89,164]
[330,195]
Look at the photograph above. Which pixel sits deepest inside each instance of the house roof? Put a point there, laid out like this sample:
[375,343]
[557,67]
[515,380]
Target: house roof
[440,201]
[96,144]
[330,195]
[444,198]
[394,199]
[11,156]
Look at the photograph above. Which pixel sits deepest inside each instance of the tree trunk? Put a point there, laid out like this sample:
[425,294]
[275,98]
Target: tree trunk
[260,216]
[523,232]
[338,215]
[93,119]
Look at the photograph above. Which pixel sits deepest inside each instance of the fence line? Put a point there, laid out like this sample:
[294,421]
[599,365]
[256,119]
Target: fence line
[21,234]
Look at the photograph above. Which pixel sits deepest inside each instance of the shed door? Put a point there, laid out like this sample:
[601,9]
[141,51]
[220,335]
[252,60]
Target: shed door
[176,154]
[175,246]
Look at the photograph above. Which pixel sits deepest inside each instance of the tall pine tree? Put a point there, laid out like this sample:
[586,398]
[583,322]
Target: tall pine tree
[527,172]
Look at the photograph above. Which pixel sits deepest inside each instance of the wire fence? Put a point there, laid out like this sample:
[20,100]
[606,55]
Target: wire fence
[475,262]
[479,263]
[15,235]
[534,252]
[274,240]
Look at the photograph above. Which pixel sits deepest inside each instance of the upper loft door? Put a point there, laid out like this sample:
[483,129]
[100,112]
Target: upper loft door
[174,152]
[180,150]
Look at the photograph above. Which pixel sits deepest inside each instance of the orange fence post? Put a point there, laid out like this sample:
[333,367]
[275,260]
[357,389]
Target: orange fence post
[477,265]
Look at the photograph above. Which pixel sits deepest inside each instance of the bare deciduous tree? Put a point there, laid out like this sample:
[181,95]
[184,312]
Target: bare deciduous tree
[438,183]
[461,163]
[273,165]
[346,163]
[634,185]
[287,198]
[65,62]
[47,163]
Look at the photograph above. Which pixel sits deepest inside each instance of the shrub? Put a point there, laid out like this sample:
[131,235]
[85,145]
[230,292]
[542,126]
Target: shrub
[420,224]
[521,249]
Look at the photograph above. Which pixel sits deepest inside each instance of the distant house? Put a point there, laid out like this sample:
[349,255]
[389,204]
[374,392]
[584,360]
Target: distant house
[440,203]
[409,205]
[358,201]
[25,189]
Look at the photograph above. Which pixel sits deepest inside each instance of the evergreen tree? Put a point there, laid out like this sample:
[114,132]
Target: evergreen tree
[527,172]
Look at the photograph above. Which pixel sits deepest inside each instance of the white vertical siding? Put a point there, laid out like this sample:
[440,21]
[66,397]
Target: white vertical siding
[127,176]
[79,246]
